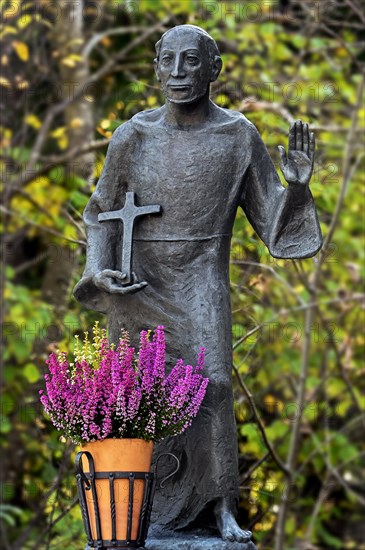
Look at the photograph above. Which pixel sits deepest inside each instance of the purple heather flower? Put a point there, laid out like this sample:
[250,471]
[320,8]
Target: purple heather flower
[123,396]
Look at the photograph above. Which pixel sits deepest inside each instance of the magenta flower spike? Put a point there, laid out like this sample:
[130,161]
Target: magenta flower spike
[108,392]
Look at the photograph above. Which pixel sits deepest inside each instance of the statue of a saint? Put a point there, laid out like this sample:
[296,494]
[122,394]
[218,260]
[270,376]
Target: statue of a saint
[199,163]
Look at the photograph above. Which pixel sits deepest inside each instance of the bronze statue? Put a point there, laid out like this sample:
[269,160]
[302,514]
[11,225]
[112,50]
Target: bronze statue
[196,163]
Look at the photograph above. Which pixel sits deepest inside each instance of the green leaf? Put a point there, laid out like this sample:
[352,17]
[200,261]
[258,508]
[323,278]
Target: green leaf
[78,199]
[328,538]
[31,373]
[5,425]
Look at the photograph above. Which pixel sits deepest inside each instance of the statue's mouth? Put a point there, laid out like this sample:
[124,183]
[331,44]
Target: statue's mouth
[179,87]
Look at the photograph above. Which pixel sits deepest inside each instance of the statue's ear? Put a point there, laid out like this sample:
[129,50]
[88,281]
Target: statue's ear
[155,66]
[216,68]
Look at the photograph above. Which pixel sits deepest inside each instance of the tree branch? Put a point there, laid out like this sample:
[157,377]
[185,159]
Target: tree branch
[260,425]
[56,160]
[103,71]
[54,522]
[309,316]
[39,226]
[110,32]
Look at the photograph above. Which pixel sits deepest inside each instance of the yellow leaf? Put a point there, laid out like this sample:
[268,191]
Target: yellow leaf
[61,136]
[4,59]
[39,182]
[22,50]
[98,167]
[106,41]
[8,293]
[75,57]
[33,121]
[7,133]
[23,85]
[24,21]
[76,123]
[151,101]
[59,132]
[71,60]
[8,30]
[68,62]
[4,82]
[8,14]
[63,142]
[70,232]
[103,132]
[105,124]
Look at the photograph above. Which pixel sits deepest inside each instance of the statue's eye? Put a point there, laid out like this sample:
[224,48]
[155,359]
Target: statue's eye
[192,60]
[166,59]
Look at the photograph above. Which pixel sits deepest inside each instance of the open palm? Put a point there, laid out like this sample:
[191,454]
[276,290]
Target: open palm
[297,165]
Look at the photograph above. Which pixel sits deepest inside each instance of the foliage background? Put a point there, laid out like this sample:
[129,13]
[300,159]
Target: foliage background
[72,72]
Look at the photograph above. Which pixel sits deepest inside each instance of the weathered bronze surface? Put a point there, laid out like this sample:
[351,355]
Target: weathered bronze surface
[200,163]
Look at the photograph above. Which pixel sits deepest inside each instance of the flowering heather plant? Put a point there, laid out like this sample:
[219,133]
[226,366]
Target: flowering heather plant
[112,392]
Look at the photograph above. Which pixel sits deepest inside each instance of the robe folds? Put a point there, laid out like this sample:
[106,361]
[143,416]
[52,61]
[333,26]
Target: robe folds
[199,177]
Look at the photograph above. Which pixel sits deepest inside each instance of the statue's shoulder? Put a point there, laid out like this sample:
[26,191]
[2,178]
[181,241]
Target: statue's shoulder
[234,120]
[124,134]
[131,128]
[145,119]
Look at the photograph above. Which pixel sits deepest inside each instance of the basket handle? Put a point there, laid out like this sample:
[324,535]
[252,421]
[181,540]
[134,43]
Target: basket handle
[79,468]
[162,482]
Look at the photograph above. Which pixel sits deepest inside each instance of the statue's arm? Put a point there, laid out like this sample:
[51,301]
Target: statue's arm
[284,218]
[101,276]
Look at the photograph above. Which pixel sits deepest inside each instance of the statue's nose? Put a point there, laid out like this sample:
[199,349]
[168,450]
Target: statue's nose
[178,67]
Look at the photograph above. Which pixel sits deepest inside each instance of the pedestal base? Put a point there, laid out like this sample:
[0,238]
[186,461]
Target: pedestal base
[197,540]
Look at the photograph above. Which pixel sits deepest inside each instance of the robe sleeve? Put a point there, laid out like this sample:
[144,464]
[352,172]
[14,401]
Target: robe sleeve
[284,218]
[103,238]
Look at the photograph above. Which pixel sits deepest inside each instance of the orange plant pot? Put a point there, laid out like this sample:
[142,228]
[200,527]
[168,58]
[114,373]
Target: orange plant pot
[117,455]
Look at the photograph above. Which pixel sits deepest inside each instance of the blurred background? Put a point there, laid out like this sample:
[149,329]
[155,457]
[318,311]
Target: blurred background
[72,72]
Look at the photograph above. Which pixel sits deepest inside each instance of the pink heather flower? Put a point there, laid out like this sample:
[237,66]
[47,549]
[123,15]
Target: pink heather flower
[151,425]
[201,358]
[159,362]
[119,395]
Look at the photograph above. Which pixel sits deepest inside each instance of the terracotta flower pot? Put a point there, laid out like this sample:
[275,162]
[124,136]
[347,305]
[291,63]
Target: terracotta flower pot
[112,457]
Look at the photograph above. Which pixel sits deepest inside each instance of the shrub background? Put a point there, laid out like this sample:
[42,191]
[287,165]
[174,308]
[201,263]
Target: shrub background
[74,71]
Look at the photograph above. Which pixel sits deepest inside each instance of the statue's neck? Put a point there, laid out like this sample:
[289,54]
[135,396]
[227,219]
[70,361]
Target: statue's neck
[188,115]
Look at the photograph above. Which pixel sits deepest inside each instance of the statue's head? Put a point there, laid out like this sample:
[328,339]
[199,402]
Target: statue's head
[187,62]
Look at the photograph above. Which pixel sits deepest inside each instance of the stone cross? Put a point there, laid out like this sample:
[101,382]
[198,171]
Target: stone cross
[127,215]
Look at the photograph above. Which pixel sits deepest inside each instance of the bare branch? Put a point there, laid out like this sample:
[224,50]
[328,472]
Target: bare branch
[56,160]
[335,473]
[41,227]
[345,429]
[275,274]
[309,317]
[348,171]
[49,527]
[103,71]
[285,312]
[357,9]
[247,105]
[111,32]
[260,425]
[19,543]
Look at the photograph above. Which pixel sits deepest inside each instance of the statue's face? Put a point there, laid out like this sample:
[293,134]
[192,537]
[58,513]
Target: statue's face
[184,68]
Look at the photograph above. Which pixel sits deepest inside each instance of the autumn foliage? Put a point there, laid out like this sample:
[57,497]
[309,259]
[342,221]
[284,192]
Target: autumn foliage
[71,73]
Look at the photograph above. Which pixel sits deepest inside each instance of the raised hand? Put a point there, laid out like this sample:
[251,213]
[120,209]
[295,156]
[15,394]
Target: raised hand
[297,165]
[112,282]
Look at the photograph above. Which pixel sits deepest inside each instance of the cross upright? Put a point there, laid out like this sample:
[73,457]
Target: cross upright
[127,215]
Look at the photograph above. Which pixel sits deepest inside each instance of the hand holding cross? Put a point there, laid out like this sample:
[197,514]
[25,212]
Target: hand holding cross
[124,281]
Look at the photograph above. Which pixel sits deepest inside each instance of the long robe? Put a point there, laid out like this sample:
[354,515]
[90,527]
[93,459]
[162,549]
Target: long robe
[199,176]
